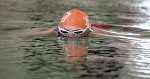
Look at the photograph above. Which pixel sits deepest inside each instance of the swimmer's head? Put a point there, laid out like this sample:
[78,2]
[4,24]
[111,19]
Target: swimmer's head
[74,23]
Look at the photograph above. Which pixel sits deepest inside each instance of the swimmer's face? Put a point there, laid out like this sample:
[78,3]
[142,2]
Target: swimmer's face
[74,23]
[73,31]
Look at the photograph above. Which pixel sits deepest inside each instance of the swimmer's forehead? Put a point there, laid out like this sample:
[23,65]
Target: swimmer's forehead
[72,28]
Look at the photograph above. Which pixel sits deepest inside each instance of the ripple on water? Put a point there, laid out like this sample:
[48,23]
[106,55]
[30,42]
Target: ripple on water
[141,61]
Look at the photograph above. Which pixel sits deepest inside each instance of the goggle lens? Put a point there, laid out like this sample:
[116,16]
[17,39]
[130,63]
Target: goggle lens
[64,31]
[78,32]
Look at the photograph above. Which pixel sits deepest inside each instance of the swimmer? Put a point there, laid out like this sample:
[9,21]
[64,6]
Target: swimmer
[75,23]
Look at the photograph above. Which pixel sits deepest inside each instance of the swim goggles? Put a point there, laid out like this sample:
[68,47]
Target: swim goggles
[76,32]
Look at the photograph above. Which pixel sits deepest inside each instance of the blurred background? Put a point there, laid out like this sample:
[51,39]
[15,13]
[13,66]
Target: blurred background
[42,57]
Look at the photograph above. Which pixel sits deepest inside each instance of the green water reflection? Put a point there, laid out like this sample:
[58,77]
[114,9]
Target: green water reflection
[47,57]
[57,60]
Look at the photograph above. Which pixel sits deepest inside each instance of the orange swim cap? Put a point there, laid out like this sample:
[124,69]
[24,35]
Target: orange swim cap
[76,18]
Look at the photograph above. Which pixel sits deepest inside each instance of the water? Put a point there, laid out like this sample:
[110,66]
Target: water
[125,56]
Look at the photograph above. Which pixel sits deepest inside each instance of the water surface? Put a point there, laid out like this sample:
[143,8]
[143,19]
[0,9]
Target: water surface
[126,56]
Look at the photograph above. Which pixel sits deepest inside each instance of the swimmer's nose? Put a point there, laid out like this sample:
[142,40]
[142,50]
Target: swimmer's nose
[71,35]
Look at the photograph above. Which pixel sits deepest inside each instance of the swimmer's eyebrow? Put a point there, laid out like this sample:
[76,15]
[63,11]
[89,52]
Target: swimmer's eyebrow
[76,29]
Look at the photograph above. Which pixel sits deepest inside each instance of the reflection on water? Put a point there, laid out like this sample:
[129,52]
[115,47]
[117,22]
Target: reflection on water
[44,61]
[127,56]
[144,7]
[140,63]
[74,48]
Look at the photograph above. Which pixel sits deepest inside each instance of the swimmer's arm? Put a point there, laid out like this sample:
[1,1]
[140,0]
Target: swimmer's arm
[96,32]
[101,34]
[114,36]
[48,31]
[19,36]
